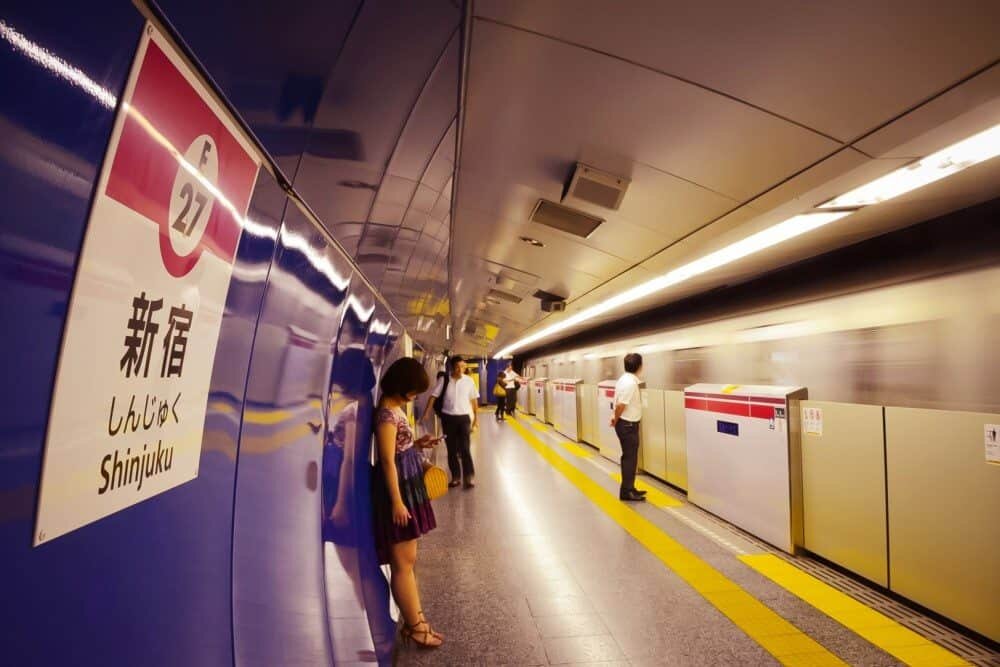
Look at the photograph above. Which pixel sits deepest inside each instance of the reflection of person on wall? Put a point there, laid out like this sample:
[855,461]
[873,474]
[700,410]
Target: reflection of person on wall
[458,399]
[346,479]
[351,381]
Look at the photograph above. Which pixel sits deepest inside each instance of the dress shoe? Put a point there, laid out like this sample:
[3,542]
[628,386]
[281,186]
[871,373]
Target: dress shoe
[639,491]
[632,496]
[453,483]
[470,484]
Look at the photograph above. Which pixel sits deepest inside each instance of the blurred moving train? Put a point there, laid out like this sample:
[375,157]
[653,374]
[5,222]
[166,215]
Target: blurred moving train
[933,343]
[910,319]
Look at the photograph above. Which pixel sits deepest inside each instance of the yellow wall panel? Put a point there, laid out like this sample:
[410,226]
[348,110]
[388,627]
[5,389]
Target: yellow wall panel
[944,514]
[843,487]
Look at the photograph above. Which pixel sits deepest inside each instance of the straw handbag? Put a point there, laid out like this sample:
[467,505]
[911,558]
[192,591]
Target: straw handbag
[436,481]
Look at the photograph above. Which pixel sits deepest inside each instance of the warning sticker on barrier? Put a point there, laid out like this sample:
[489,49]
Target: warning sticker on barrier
[128,408]
[992,440]
[812,421]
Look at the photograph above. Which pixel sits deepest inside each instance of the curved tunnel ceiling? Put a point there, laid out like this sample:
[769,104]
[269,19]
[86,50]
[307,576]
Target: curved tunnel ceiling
[725,119]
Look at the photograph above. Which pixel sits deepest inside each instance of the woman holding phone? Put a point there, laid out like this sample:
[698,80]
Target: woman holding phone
[402,507]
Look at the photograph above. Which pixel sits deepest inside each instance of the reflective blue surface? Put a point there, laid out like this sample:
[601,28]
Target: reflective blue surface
[358,102]
[267,556]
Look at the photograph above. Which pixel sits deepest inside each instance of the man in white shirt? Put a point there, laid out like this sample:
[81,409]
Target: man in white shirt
[628,414]
[458,411]
[510,380]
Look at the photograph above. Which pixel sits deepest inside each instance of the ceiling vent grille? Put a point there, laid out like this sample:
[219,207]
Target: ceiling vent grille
[547,296]
[503,296]
[597,187]
[564,218]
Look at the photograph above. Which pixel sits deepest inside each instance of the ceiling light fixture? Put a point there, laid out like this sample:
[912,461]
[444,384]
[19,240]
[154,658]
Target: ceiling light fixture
[771,236]
[953,159]
[973,150]
[531,241]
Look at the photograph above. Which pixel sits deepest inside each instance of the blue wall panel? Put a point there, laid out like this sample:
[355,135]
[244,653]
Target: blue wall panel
[267,556]
[151,584]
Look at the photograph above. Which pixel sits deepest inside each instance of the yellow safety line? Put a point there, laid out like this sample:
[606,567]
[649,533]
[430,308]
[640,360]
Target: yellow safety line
[653,495]
[788,644]
[539,426]
[902,643]
[576,450]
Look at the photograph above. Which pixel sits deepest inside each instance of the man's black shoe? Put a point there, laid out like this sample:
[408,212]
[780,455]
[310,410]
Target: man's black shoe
[639,491]
[632,496]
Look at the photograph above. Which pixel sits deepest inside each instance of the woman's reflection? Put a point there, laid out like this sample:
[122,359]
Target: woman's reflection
[351,381]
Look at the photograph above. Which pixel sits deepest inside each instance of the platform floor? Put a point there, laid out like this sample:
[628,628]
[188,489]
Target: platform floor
[541,564]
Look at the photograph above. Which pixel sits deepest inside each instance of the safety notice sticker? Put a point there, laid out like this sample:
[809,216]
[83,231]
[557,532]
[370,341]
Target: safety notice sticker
[128,409]
[992,438]
[812,421]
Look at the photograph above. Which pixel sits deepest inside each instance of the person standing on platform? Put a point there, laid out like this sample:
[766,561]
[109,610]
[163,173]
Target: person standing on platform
[625,421]
[511,382]
[401,507]
[456,400]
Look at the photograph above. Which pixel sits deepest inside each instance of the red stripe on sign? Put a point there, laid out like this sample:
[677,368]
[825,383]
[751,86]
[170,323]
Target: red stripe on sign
[762,411]
[696,403]
[143,171]
[729,397]
[741,409]
[768,399]
[610,393]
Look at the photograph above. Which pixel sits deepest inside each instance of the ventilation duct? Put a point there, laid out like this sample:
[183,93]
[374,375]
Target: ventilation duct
[503,296]
[564,218]
[596,187]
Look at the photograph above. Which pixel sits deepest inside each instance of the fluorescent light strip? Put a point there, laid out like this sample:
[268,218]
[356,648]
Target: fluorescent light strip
[973,150]
[977,148]
[57,66]
[771,236]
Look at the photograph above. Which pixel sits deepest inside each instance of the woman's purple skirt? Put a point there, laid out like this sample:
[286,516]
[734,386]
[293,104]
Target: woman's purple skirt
[410,471]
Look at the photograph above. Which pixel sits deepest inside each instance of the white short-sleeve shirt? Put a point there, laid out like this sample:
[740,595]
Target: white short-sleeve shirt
[457,400]
[509,378]
[627,393]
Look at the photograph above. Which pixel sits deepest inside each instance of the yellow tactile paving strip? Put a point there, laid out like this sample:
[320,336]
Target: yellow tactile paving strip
[654,497]
[900,642]
[788,644]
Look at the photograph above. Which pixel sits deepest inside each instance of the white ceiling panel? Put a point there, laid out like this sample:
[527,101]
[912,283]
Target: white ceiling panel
[726,118]
[535,104]
[839,67]
[966,110]
[431,118]
[424,198]
[974,185]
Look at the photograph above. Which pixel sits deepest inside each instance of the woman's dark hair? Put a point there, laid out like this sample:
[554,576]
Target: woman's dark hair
[404,376]
[633,362]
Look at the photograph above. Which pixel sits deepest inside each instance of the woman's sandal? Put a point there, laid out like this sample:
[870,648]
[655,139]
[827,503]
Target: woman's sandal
[434,632]
[427,637]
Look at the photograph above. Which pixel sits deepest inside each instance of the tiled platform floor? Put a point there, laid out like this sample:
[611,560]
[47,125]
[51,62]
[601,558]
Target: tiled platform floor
[526,570]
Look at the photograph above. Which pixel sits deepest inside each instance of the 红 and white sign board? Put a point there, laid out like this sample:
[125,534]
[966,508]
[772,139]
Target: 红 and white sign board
[128,408]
